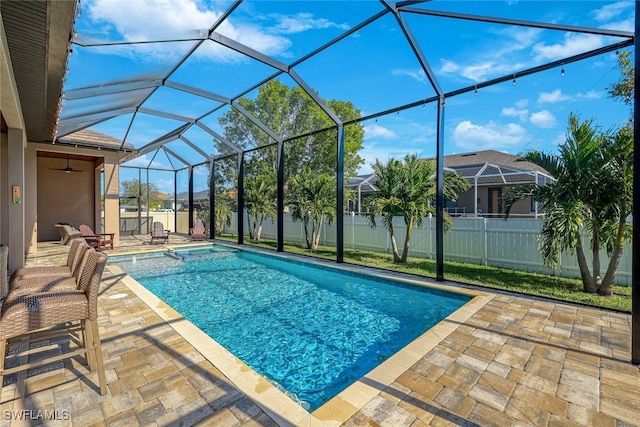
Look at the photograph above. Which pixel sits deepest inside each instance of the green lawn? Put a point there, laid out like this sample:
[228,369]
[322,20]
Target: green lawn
[492,277]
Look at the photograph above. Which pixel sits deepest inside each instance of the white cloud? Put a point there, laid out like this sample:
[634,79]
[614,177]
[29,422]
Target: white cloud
[624,25]
[481,71]
[498,59]
[573,44]
[552,97]
[496,136]
[374,130]
[522,103]
[416,74]
[515,112]
[303,22]
[149,20]
[449,66]
[592,94]
[143,162]
[543,119]
[610,11]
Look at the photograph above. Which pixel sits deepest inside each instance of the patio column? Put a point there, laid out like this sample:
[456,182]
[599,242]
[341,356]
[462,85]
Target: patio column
[16,213]
[212,200]
[240,224]
[280,199]
[340,197]
[190,196]
[30,200]
[111,198]
[440,192]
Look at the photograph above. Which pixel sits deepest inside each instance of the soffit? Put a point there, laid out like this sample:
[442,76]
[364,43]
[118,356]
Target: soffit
[38,34]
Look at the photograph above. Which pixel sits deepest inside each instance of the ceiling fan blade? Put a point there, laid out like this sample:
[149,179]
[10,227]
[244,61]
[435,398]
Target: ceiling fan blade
[68,169]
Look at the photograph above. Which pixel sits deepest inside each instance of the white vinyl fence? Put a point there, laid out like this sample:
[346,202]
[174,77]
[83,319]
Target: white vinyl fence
[510,244]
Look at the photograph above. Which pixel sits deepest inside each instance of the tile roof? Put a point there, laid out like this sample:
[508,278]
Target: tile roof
[92,138]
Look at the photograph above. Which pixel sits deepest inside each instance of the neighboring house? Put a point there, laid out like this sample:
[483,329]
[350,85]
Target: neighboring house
[491,174]
[200,200]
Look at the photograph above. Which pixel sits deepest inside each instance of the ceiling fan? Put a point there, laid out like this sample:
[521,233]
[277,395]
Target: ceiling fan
[68,169]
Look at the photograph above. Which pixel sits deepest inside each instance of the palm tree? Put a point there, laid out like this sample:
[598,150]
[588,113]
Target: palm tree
[312,198]
[223,211]
[260,202]
[591,171]
[617,180]
[407,189]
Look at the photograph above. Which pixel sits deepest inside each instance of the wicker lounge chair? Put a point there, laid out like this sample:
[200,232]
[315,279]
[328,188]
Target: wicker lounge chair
[76,254]
[68,233]
[159,233]
[33,317]
[96,240]
[199,231]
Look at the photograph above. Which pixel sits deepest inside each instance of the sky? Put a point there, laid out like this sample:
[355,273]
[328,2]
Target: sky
[374,68]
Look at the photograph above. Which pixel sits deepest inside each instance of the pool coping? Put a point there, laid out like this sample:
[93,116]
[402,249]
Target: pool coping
[280,407]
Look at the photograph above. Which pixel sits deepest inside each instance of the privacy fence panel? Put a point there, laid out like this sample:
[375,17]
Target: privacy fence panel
[493,242]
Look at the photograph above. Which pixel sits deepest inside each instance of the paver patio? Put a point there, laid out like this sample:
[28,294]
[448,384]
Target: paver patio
[515,361]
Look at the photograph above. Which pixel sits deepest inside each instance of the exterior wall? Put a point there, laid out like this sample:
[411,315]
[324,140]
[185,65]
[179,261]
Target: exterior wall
[16,211]
[4,191]
[12,216]
[66,197]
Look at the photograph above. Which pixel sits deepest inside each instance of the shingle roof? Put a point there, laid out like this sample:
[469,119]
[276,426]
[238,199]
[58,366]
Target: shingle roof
[489,156]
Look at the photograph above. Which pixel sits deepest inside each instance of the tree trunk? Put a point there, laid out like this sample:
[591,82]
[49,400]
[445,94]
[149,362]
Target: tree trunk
[306,233]
[251,227]
[394,248]
[258,232]
[607,283]
[394,245]
[595,245]
[317,229]
[407,240]
[587,279]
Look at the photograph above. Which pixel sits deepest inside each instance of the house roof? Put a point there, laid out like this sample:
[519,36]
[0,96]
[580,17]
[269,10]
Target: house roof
[197,195]
[494,157]
[92,138]
[488,166]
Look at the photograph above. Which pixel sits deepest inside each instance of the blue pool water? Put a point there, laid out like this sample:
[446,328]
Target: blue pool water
[310,330]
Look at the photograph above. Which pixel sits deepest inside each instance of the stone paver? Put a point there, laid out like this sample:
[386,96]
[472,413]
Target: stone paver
[516,361]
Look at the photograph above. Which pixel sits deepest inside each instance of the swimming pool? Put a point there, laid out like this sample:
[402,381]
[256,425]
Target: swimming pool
[310,330]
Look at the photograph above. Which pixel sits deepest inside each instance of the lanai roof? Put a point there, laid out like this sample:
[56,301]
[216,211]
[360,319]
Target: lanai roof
[189,109]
